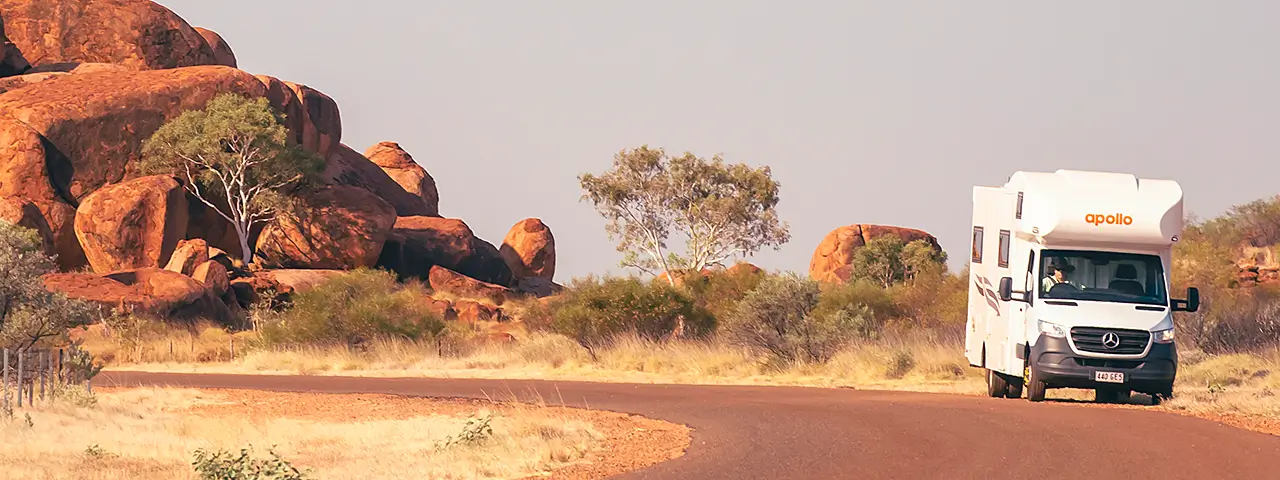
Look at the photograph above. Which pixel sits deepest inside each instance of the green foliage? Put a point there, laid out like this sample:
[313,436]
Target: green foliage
[593,311]
[933,300]
[720,291]
[724,210]
[30,315]
[355,308]
[778,316]
[1234,320]
[475,432]
[235,156]
[223,465]
[888,260]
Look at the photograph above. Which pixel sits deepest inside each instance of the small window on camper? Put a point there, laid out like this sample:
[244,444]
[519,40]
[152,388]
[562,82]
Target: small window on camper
[1018,213]
[1003,260]
[977,245]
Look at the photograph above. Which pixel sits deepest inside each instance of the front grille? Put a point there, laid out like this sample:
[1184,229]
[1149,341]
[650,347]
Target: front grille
[1132,342]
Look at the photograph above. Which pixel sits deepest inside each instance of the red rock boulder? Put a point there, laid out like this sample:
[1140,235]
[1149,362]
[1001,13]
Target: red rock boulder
[151,291]
[348,167]
[140,34]
[25,214]
[833,258]
[322,131]
[188,255]
[222,53]
[471,311]
[298,281]
[97,123]
[23,174]
[336,227]
[529,250]
[135,224]
[406,172]
[419,243]
[449,281]
[213,275]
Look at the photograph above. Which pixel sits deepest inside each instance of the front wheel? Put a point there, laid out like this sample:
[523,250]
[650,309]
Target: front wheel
[1035,387]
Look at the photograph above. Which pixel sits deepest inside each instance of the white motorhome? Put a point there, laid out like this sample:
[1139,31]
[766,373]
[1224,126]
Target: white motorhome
[1069,284]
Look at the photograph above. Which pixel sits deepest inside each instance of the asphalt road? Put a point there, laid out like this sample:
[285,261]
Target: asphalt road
[786,432]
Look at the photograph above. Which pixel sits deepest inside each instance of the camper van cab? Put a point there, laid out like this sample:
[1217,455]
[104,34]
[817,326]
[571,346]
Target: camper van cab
[1069,284]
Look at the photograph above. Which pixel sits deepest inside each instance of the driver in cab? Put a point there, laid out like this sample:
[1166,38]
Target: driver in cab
[1057,273]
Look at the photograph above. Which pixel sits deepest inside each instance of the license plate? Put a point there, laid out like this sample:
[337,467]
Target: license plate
[1109,377]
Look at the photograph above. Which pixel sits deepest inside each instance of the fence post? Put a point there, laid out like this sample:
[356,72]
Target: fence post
[232,342]
[43,369]
[6,380]
[62,376]
[20,352]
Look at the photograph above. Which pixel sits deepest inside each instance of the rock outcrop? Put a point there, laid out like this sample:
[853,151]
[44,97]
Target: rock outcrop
[336,227]
[25,214]
[419,243]
[298,281]
[140,34]
[149,291]
[406,172]
[11,60]
[529,250]
[68,136]
[222,53]
[130,225]
[449,281]
[188,255]
[323,128]
[213,275]
[833,258]
[9,84]
[349,167]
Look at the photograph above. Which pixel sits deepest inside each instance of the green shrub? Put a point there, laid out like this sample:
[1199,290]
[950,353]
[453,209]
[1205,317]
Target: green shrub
[720,291]
[30,315]
[593,311]
[779,317]
[223,465]
[353,309]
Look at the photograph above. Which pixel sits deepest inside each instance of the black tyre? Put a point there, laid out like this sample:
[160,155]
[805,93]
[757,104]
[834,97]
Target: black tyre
[1035,387]
[996,386]
[1014,387]
[1163,396]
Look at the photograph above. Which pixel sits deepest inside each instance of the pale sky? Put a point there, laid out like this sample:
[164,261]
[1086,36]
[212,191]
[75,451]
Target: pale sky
[868,112]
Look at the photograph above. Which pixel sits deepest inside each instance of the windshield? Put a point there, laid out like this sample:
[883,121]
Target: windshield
[1102,276]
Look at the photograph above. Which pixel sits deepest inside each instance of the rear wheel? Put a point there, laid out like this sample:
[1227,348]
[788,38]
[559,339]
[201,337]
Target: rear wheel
[1163,396]
[1014,389]
[1035,387]
[996,385]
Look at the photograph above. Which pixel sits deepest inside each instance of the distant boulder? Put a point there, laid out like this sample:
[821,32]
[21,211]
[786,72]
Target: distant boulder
[530,250]
[419,243]
[406,172]
[150,291]
[833,259]
[25,214]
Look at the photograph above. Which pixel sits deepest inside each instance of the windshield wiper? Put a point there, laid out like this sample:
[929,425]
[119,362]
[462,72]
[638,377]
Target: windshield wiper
[1062,302]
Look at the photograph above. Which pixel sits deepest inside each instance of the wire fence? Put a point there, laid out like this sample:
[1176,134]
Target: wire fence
[34,374]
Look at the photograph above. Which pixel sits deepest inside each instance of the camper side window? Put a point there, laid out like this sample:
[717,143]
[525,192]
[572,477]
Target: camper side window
[1003,259]
[977,245]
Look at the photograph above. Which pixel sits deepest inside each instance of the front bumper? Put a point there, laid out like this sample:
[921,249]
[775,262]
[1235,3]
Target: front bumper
[1058,366]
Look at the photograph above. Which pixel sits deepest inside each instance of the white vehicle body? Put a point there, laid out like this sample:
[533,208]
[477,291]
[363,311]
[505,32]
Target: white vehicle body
[1110,326]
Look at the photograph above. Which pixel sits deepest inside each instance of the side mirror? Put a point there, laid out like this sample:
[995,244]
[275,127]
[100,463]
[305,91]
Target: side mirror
[1191,304]
[1006,289]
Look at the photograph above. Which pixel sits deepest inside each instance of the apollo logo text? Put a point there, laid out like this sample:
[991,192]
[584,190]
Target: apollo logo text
[1109,219]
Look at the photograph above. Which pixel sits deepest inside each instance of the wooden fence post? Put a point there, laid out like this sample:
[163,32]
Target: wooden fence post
[6,380]
[42,368]
[62,376]
[20,352]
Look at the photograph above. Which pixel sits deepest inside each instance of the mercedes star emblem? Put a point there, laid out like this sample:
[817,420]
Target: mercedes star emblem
[1110,340]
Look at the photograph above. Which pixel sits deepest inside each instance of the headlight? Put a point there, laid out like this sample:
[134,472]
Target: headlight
[1052,329]
[1163,336]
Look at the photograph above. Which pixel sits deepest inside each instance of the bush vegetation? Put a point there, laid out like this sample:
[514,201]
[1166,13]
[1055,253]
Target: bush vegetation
[353,309]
